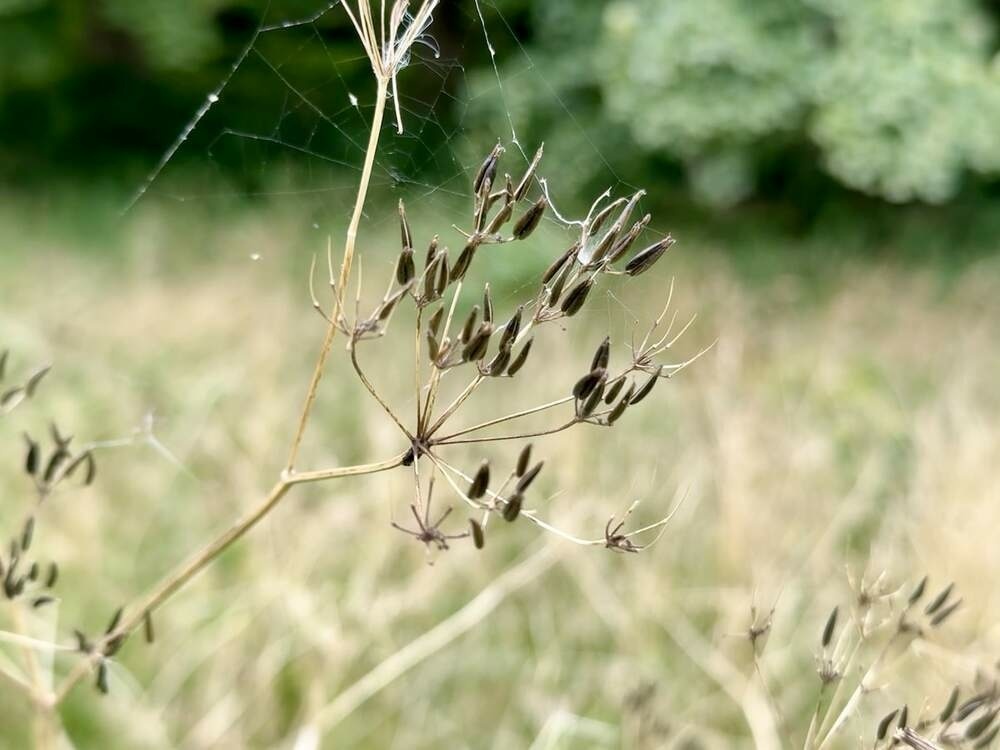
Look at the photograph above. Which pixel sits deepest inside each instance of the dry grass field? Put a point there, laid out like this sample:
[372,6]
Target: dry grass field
[841,427]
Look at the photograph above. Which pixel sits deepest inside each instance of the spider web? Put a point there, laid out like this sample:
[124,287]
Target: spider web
[306,141]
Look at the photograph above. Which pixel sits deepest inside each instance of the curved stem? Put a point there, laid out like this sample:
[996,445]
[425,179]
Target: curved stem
[371,389]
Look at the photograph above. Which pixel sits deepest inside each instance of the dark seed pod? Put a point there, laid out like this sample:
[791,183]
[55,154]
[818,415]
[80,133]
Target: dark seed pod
[53,576]
[31,457]
[604,246]
[33,572]
[645,259]
[461,266]
[646,388]
[116,618]
[939,600]
[83,644]
[904,716]
[432,250]
[41,601]
[531,219]
[528,477]
[499,363]
[480,481]
[511,330]
[406,269]
[614,389]
[102,677]
[590,405]
[470,325]
[525,183]
[831,625]
[32,384]
[980,725]
[487,170]
[28,533]
[945,613]
[59,456]
[434,324]
[601,218]
[558,264]
[621,406]
[475,350]
[404,231]
[520,359]
[576,298]
[918,591]
[970,706]
[987,739]
[443,275]
[884,724]
[478,538]
[512,508]
[502,217]
[523,459]
[88,478]
[487,304]
[949,707]
[555,292]
[603,354]
[387,307]
[586,385]
[626,241]
[147,626]
[433,347]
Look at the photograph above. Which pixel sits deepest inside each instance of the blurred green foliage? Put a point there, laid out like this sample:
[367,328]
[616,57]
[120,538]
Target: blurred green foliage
[788,100]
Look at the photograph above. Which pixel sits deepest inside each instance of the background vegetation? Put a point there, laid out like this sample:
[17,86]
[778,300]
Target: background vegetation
[829,169]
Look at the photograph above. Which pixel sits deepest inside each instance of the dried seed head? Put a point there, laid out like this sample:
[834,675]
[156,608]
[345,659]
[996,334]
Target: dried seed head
[626,241]
[523,459]
[512,508]
[831,625]
[598,221]
[918,591]
[645,259]
[590,405]
[614,388]
[621,406]
[443,275]
[604,246]
[511,330]
[949,707]
[31,457]
[406,269]
[499,363]
[939,600]
[480,482]
[576,298]
[461,266]
[525,183]
[603,354]
[502,217]
[520,359]
[884,724]
[487,171]
[478,537]
[586,385]
[531,219]
[28,533]
[432,249]
[646,388]
[555,292]
[385,310]
[470,325]
[558,264]
[475,350]
[528,477]
[487,304]
[404,230]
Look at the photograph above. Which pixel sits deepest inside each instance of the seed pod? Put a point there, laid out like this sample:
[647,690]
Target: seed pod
[939,600]
[116,618]
[499,363]
[621,406]
[646,388]
[475,350]
[511,330]
[525,183]
[512,508]
[404,231]
[488,170]
[559,263]
[980,725]
[83,644]
[31,457]
[478,538]
[987,738]
[434,324]
[385,310]
[949,707]
[528,477]
[32,384]
[918,591]
[88,478]
[443,275]
[102,677]
[645,259]
[602,217]
[522,460]
[626,241]
[520,359]
[972,705]
[904,715]
[605,245]
[58,458]
[586,385]
[883,725]
[487,304]
[831,625]
[530,220]
[470,325]
[41,601]
[33,572]
[944,614]
[28,533]
[480,481]
[576,298]
[9,395]
[53,576]
[502,217]
[602,355]
[433,347]
[590,405]
[461,266]
[147,626]
[614,389]
[406,269]
[432,250]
